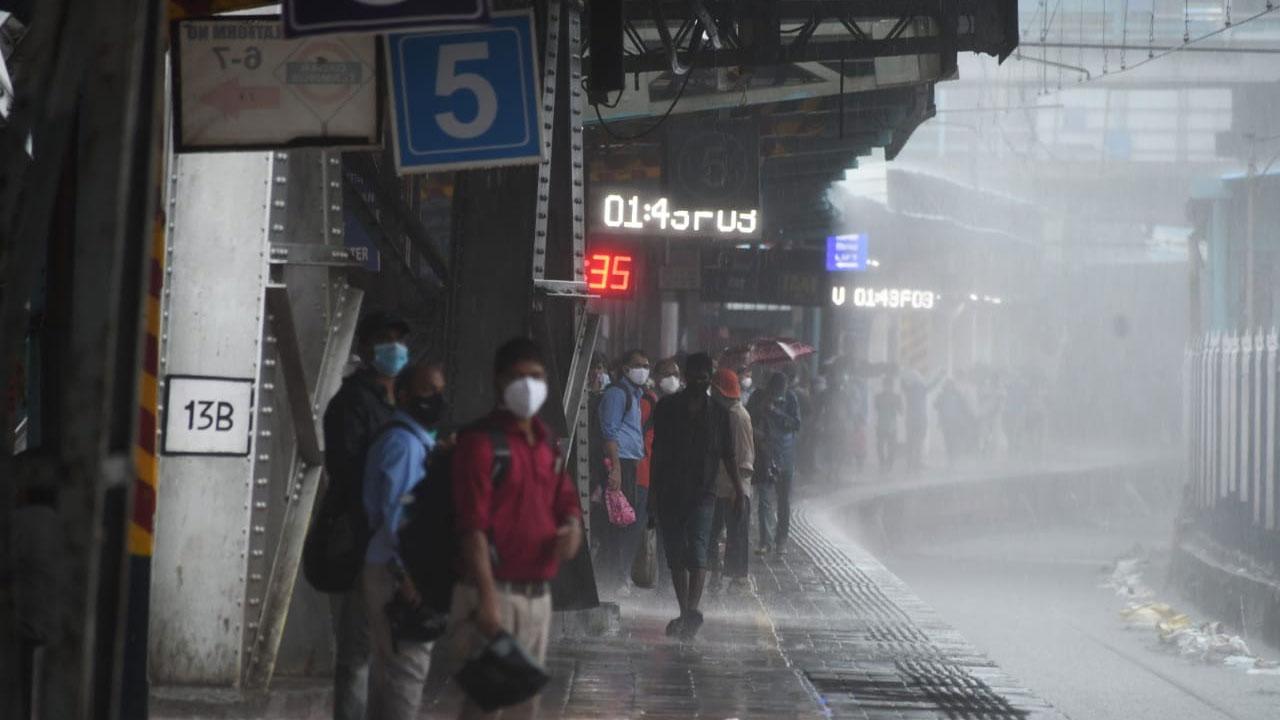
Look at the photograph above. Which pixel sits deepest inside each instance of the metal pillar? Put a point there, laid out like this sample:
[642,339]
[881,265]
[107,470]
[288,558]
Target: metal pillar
[255,290]
[670,342]
[216,284]
[491,290]
[1270,483]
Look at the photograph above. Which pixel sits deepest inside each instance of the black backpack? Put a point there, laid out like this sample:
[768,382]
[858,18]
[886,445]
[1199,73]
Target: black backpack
[333,552]
[429,547]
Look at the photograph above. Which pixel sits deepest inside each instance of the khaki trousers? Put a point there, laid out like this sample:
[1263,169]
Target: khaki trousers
[397,669]
[528,620]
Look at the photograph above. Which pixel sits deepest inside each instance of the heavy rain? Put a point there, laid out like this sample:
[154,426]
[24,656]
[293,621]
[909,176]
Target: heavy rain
[640,359]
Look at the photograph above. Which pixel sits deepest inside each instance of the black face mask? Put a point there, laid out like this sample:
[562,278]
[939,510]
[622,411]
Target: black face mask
[429,410]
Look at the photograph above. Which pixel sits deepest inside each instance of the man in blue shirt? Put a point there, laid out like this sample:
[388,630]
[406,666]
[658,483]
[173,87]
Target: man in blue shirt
[623,433]
[396,463]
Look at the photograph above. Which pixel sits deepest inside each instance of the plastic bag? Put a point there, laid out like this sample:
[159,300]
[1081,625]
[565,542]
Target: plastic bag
[644,568]
[620,511]
[502,674]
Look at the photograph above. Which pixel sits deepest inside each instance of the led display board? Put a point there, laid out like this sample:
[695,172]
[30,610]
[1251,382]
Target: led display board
[635,213]
[883,298]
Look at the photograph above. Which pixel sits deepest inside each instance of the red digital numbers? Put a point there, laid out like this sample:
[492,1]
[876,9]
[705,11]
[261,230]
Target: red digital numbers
[610,273]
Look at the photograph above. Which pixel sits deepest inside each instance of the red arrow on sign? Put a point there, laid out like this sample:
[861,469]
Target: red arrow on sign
[230,97]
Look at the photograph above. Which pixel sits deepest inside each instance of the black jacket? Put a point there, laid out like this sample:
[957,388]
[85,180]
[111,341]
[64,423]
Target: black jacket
[355,414]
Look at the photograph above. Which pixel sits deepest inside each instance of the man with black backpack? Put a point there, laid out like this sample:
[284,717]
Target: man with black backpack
[335,548]
[397,464]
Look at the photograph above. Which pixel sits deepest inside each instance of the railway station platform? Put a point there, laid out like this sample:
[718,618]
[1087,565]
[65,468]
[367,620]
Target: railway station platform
[827,632]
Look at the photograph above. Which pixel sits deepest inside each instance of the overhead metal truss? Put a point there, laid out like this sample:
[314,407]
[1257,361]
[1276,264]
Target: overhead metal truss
[679,35]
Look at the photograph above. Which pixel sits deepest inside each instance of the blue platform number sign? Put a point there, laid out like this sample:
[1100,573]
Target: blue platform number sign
[465,99]
[847,253]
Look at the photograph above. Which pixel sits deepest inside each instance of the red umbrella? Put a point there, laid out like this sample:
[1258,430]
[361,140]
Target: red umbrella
[775,350]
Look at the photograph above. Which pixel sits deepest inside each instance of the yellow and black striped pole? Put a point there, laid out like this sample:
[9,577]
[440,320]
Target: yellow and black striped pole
[141,538]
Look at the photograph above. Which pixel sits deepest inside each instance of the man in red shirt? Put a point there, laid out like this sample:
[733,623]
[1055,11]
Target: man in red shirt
[515,528]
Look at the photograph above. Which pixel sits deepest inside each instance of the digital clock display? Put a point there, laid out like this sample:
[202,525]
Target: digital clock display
[632,213]
[891,298]
[610,273]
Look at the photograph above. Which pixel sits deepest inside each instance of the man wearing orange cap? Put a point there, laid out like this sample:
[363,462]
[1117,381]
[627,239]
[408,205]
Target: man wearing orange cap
[733,494]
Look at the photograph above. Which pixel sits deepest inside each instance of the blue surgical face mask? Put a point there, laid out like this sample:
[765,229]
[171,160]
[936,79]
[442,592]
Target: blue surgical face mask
[390,358]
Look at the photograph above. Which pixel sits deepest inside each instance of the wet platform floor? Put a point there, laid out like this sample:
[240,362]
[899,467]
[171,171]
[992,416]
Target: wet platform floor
[827,632]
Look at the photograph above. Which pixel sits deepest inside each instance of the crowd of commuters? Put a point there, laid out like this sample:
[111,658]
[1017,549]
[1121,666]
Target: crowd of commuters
[514,514]
[980,413]
[687,447]
[683,448]
[691,447]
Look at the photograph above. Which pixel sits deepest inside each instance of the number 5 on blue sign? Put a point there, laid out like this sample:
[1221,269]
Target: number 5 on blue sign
[465,98]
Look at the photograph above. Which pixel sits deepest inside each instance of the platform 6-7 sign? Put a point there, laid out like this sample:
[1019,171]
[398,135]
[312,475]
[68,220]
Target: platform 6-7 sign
[240,84]
[207,415]
[466,98]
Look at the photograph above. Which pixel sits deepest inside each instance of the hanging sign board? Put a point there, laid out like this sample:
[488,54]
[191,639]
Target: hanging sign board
[465,99]
[847,253]
[239,84]
[774,277]
[207,415]
[713,164]
[310,17]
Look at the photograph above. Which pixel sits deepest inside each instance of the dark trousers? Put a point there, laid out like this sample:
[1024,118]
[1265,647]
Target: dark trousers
[618,545]
[351,653]
[736,526]
[782,487]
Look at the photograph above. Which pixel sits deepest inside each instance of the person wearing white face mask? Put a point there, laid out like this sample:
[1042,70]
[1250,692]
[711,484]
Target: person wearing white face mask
[667,374]
[745,383]
[622,428]
[528,521]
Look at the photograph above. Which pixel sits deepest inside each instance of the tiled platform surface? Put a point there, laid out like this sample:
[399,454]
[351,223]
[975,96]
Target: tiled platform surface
[829,632]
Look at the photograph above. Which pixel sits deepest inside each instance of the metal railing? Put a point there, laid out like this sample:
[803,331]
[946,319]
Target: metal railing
[1231,391]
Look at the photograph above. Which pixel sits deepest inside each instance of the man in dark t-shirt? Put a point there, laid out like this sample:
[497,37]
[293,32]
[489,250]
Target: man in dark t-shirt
[691,442]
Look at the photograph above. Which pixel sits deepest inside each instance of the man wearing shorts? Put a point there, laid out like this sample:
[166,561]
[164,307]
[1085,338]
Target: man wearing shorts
[691,442]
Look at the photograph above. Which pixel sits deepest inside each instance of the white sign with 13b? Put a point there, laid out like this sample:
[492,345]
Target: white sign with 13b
[207,415]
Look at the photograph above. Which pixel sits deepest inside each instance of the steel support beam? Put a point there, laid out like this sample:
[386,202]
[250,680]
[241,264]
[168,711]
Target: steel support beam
[814,51]
[988,26]
[799,11]
[306,427]
[283,576]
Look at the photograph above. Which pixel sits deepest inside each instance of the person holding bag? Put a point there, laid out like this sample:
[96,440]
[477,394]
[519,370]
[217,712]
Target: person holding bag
[513,536]
[622,428]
